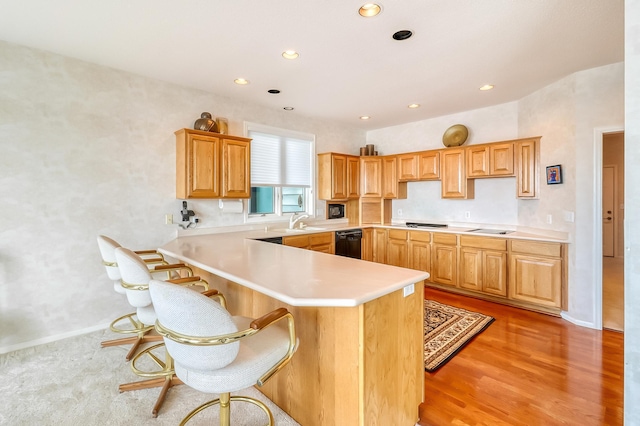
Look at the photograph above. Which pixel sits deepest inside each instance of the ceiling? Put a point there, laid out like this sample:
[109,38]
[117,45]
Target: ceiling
[349,66]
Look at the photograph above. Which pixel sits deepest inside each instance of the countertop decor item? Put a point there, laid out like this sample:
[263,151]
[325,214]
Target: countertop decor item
[206,123]
[455,135]
[447,330]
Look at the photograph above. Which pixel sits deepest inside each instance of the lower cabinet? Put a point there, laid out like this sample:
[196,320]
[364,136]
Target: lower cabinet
[367,244]
[420,251]
[483,265]
[379,245]
[397,248]
[322,242]
[444,259]
[536,273]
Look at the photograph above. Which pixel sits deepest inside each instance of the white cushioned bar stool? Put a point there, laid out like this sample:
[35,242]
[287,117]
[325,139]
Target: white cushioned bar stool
[129,324]
[135,280]
[215,352]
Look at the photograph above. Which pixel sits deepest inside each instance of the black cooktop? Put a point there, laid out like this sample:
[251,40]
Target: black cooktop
[425,225]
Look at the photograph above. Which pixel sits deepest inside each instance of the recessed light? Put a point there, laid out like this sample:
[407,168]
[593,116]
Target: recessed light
[369,10]
[402,35]
[273,91]
[241,81]
[364,117]
[290,54]
[413,106]
[288,108]
[487,87]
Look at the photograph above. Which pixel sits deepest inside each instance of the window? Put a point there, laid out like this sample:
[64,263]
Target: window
[282,170]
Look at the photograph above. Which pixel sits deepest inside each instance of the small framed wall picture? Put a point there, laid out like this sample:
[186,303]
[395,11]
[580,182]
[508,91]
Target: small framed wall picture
[554,174]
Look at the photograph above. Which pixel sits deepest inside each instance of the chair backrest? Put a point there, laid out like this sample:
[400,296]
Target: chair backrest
[134,272]
[188,312]
[108,248]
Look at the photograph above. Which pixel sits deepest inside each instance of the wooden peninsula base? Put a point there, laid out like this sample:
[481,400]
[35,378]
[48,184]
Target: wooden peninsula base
[360,365]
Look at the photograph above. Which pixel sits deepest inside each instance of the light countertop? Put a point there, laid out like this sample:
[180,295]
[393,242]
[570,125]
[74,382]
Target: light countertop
[294,276]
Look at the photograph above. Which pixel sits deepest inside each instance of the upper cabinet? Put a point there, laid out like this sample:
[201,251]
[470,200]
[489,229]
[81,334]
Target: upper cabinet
[338,176]
[211,165]
[454,177]
[491,160]
[526,158]
[371,177]
[417,166]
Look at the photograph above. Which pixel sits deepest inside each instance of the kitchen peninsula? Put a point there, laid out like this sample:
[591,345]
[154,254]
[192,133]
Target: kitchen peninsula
[360,325]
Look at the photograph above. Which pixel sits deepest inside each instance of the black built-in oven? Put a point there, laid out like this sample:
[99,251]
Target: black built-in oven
[349,243]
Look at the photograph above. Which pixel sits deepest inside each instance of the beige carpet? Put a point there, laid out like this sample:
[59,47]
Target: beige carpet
[447,330]
[75,382]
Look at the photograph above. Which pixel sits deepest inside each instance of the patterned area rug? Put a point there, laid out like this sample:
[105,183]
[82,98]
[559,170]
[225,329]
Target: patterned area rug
[447,330]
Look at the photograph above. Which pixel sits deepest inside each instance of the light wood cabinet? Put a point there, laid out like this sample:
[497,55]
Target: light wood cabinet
[420,251]
[367,244]
[397,248]
[536,273]
[322,242]
[491,160]
[391,188]
[408,167]
[211,165]
[429,165]
[454,175]
[379,245]
[371,177]
[338,176]
[483,265]
[444,259]
[526,165]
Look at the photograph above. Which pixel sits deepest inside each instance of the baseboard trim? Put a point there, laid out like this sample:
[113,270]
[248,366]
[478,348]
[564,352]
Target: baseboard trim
[49,339]
[581,323]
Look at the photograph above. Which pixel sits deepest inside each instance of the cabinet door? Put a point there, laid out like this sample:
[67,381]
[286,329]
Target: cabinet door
[429,165]
[389,177]
[299,241]
[535,279]
[379,245]
[501,159]
[371,177]
[236,174]
[202,166]
[420,256]
[408,167]
[526,159]
[353,177]
[338,177]
[477,161]
[367,244]
[494,273]
[397,248]
[470,269]
[454,176]
[443,264]
[322,242]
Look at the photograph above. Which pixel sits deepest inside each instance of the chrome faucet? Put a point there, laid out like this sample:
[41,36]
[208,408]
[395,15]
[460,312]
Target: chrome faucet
[292,221]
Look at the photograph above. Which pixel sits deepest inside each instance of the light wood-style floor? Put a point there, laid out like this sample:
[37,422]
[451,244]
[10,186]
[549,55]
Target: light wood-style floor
[526,369]
[613,293]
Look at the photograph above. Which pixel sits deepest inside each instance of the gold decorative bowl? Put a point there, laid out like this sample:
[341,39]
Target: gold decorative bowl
[455,135]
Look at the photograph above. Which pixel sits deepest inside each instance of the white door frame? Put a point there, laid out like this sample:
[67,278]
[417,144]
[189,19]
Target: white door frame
[598,140]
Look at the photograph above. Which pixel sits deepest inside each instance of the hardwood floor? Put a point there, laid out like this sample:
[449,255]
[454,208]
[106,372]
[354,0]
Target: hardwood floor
[526,369]
[613,293]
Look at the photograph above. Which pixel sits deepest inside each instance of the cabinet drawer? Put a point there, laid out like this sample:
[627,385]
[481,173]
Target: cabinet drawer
[448,239]
[537,247]
[318,239]
[397,234]
[483,242]
[420,236]
[300,241]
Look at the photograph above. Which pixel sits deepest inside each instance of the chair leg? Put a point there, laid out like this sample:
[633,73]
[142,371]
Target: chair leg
[169,382]
[225,409]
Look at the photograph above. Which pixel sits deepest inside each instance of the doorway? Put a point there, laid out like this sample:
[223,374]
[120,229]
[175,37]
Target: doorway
[612,217]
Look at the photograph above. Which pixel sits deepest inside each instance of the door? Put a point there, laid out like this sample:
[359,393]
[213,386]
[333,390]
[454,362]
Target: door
[608,196]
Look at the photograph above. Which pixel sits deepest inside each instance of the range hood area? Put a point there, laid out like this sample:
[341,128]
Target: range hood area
[490,231]
[443,225]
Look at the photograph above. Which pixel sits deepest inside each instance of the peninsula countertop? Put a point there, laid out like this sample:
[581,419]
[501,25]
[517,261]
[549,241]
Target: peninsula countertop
[294,276]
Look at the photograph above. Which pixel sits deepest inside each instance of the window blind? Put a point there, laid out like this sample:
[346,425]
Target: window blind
[278,160]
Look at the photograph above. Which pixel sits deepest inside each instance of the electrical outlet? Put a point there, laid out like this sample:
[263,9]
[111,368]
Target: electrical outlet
[408,290]
[549,218]
[399,212]
[467,215]
[168,219]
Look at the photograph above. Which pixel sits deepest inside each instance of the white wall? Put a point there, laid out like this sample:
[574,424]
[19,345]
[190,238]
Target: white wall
[565,114]
[632,224]
[86,150]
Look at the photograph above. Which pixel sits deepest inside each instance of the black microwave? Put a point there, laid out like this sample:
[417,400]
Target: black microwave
[335,211]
